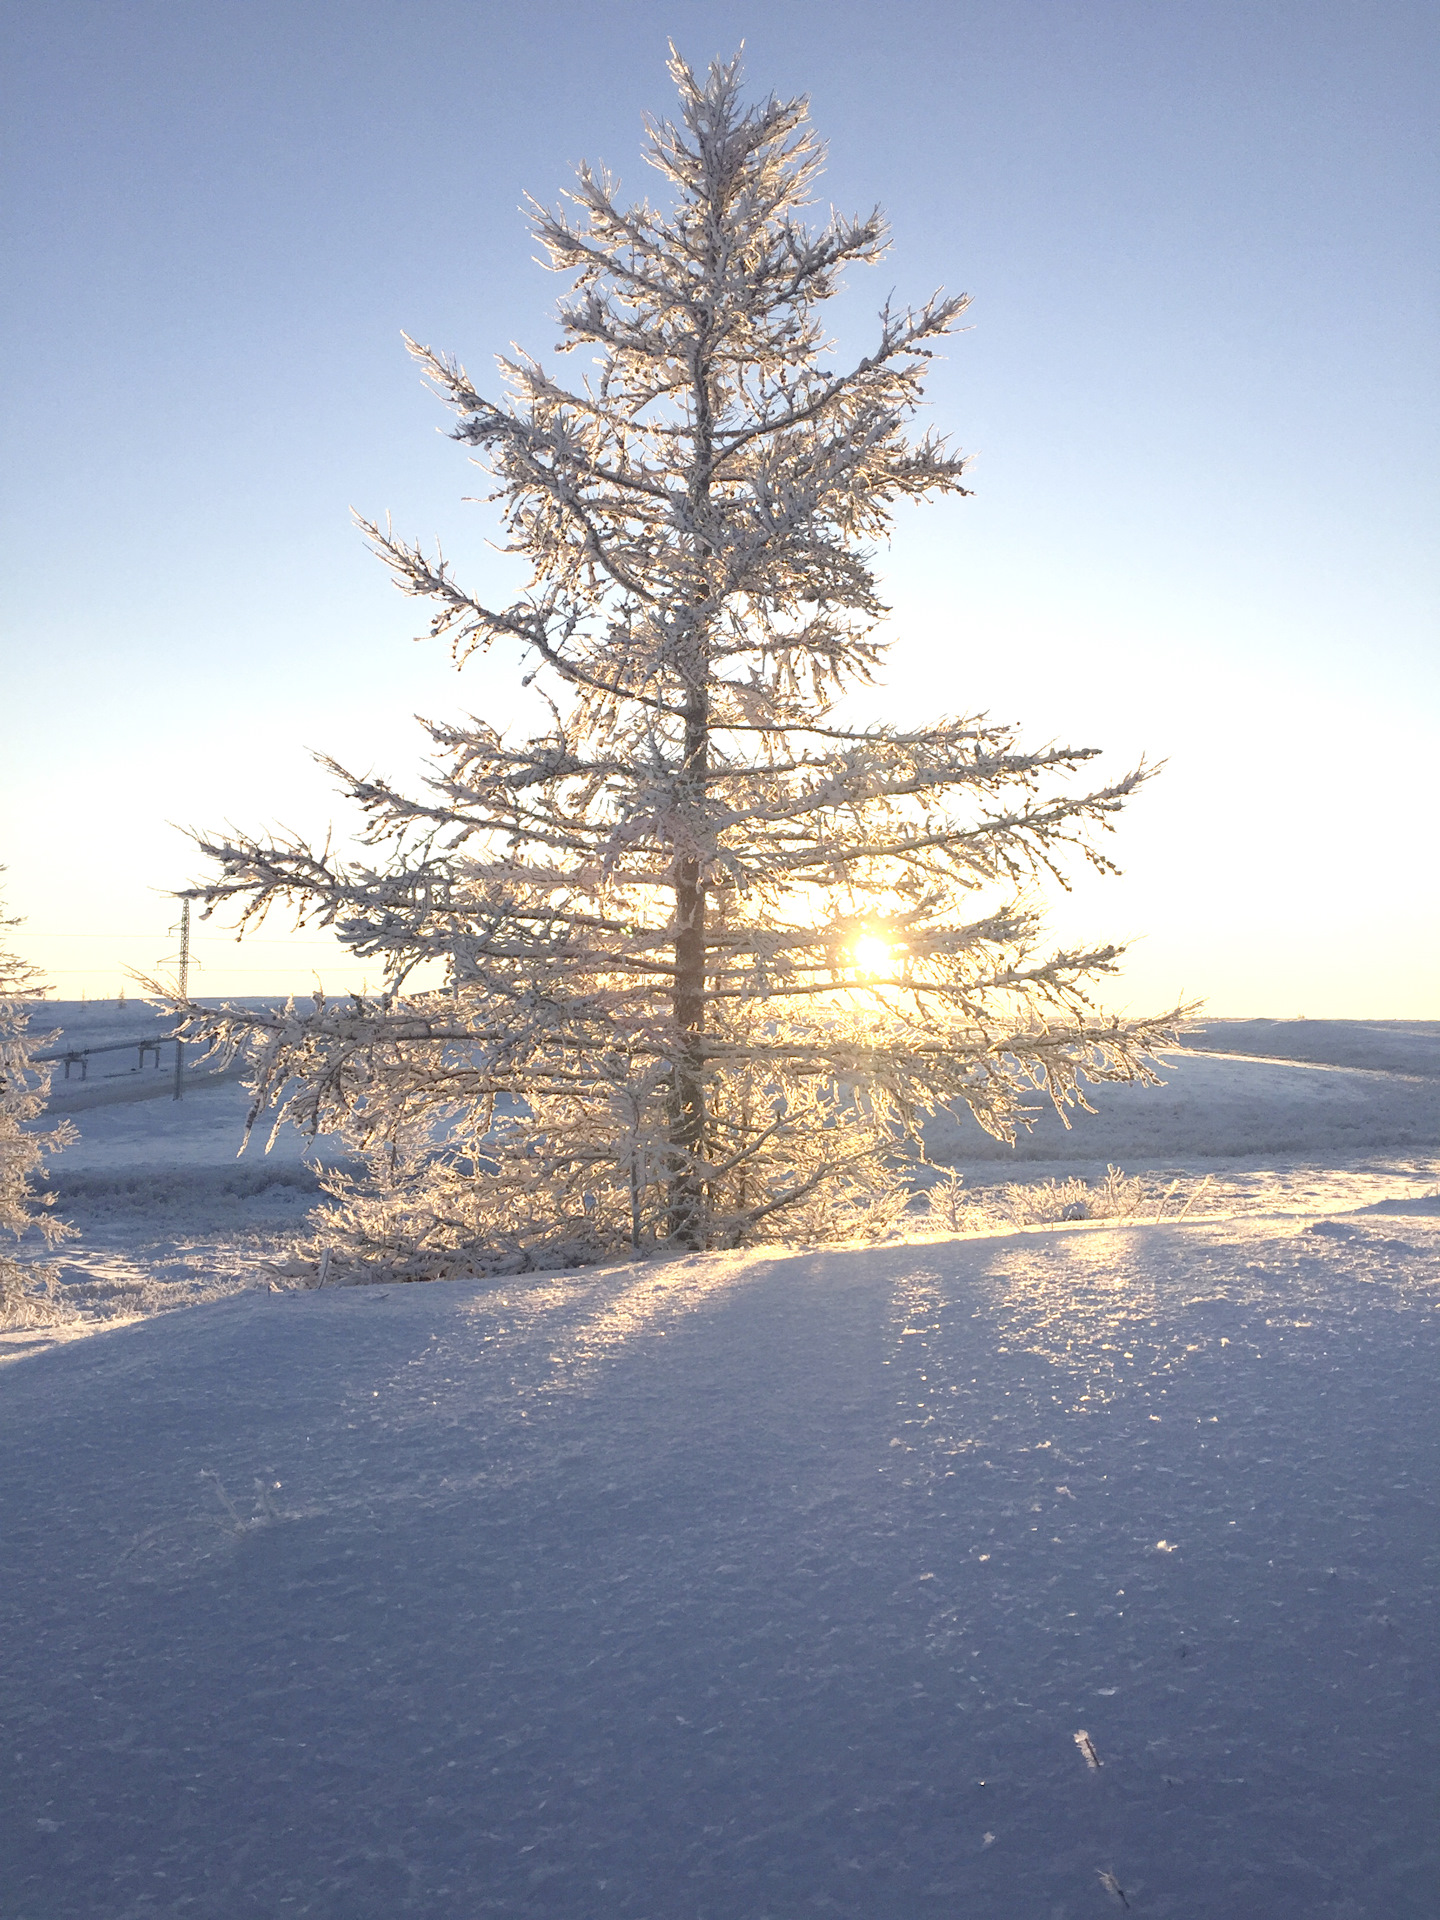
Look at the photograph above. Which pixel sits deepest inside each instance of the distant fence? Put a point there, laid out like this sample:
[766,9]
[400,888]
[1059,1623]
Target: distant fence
[122,1086]
[81,1056]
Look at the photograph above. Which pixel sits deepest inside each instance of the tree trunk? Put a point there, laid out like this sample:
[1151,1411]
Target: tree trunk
[688,1206]
[687,1100]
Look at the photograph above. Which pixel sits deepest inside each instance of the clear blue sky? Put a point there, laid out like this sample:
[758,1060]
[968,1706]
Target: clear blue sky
[1201,384]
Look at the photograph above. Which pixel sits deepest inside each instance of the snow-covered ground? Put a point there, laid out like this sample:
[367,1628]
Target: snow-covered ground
[168,1211]
[771,1584]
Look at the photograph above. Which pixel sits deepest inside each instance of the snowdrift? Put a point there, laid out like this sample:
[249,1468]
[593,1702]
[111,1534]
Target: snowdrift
[1220,1107]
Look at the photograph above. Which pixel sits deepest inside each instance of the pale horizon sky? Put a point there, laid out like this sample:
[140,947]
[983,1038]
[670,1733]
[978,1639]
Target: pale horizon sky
[1200,384]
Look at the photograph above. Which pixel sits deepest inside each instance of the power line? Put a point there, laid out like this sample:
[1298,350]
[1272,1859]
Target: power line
[61,973]
[249,940]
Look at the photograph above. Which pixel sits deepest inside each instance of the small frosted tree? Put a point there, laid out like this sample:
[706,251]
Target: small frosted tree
[24,1088]
[712,952]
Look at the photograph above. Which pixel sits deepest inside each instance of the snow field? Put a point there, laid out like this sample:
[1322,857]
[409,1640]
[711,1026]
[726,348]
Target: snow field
[744,1585]
[741,1585]
[1218,1107]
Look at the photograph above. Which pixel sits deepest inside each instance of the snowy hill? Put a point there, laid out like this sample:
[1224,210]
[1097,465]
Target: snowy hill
[1221,1107]
[740,1585]
[1383,1046]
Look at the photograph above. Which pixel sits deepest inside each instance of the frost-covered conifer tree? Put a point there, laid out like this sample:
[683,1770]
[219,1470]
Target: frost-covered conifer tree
[711,950]
[24,1087]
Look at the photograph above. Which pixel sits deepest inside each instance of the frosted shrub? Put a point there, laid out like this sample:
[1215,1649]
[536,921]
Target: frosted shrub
[953,1208]
[24,1088]
[1115,1197]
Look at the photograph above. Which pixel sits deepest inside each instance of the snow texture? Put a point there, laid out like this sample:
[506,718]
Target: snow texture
[1043,1573]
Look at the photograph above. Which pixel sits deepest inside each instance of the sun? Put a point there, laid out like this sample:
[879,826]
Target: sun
[874,956]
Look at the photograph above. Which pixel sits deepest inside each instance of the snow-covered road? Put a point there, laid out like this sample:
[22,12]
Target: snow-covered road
[745,1586]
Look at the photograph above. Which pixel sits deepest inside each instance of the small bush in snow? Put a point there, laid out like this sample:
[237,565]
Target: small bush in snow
[1115,1197]
[24,1088]
[951,1208]
[1119,1196]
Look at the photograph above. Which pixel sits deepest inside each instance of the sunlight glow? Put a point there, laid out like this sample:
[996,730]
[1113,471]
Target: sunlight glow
[875,957]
